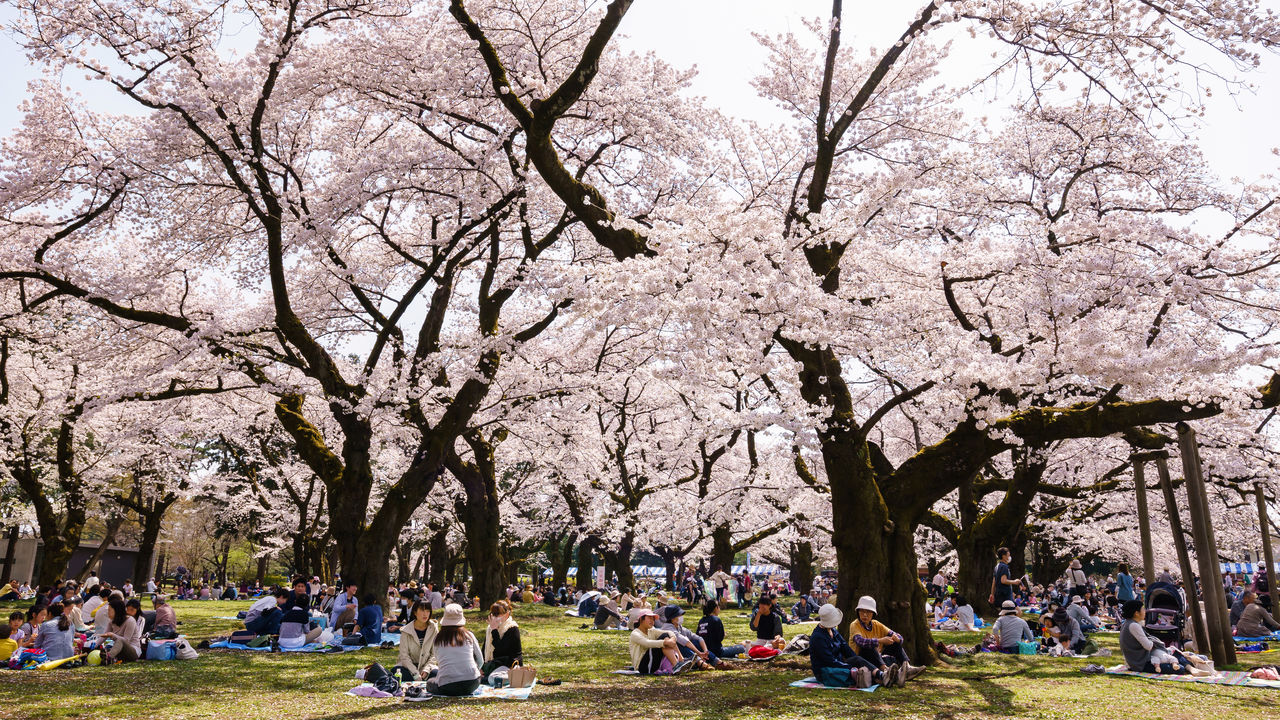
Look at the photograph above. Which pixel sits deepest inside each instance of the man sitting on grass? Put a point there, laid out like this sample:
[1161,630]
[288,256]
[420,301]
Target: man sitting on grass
[1255,621]
[1009,629]
[768,625]
[835,664]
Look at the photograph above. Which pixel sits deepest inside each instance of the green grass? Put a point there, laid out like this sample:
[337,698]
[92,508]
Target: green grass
[247,686]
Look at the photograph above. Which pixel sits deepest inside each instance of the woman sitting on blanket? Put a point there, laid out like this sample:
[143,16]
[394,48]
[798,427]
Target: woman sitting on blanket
[417,659]
[1144,653]
[608,614]
[458,655]
[502,646]
[653,652]
[879,645]
[835,664]
[1066,631]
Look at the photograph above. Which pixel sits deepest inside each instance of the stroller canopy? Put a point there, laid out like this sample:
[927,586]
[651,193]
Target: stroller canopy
[1163,596]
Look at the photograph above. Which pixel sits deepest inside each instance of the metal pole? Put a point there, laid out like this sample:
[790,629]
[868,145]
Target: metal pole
[1198,628]
[1267,554]
[1215,601]
[1144,521]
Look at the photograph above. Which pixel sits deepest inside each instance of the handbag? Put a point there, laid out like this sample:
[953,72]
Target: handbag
[522,676]
[1027,648]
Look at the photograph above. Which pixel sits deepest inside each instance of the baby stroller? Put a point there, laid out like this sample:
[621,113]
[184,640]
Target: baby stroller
[1165,616]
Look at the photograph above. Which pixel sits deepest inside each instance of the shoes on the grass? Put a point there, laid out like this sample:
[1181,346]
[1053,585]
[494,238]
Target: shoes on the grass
[914,671]
[681,666]
[1093,669]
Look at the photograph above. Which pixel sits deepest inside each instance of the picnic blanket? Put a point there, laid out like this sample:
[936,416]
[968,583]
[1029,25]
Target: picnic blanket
[484,691]
[308,648]
[226,617]
[811,683]
[1222,678]
[626,671]
[1265,638]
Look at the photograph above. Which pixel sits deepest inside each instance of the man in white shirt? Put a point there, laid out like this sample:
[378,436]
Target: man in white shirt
[93,580]
[151,586]
[128,588]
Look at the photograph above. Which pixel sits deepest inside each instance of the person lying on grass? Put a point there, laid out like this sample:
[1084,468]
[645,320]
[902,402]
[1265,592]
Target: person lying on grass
[879,645]
[835,664]
[653,652]
[1009,629]
[1144,653]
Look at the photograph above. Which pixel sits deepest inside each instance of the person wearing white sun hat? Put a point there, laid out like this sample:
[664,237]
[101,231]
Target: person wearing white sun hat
[881,646]
[458,655]
[834,663]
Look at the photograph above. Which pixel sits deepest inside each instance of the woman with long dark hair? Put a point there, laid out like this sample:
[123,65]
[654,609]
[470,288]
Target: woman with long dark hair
[56,636]
[123,630]
[459,656]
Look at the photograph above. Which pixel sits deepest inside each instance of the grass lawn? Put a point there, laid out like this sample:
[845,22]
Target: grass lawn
[244,685]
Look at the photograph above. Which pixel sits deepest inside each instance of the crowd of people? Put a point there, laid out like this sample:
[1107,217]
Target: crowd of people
[67,620]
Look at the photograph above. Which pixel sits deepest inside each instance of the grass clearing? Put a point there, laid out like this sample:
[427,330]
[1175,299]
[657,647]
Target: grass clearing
[244,685]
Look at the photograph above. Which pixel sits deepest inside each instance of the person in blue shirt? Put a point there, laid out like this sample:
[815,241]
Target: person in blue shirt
[834,663]
[369,620]
[1124,584]
[345,599]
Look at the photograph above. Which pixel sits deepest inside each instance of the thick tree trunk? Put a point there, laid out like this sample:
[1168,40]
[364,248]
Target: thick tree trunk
[479,515]
[438,554]
[562,560]
[403,552]
[875,553]
[146,548]
[10,551]
[802,566]
[261,574]
[722,548]
[619,559]
[54,557]
[585,579]
[669,564]
[417,566]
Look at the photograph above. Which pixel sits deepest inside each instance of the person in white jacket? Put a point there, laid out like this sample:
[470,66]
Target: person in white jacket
[417,641]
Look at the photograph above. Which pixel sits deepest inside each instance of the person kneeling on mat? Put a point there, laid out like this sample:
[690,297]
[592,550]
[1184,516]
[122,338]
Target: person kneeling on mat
[834,663]
[881,646]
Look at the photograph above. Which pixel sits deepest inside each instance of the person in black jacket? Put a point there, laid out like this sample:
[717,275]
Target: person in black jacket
[502,640]
[711,630]
[768,624]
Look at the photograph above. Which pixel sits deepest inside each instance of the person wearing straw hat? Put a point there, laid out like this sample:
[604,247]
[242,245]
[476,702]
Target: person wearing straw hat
[458,656]
[607,614]
[834,663]
[1009,629]
[881,646]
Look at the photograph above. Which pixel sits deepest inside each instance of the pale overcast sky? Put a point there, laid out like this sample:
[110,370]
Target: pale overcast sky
[715,35]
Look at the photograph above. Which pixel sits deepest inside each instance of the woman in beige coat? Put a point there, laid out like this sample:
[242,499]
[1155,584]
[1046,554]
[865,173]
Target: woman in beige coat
[418,641]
